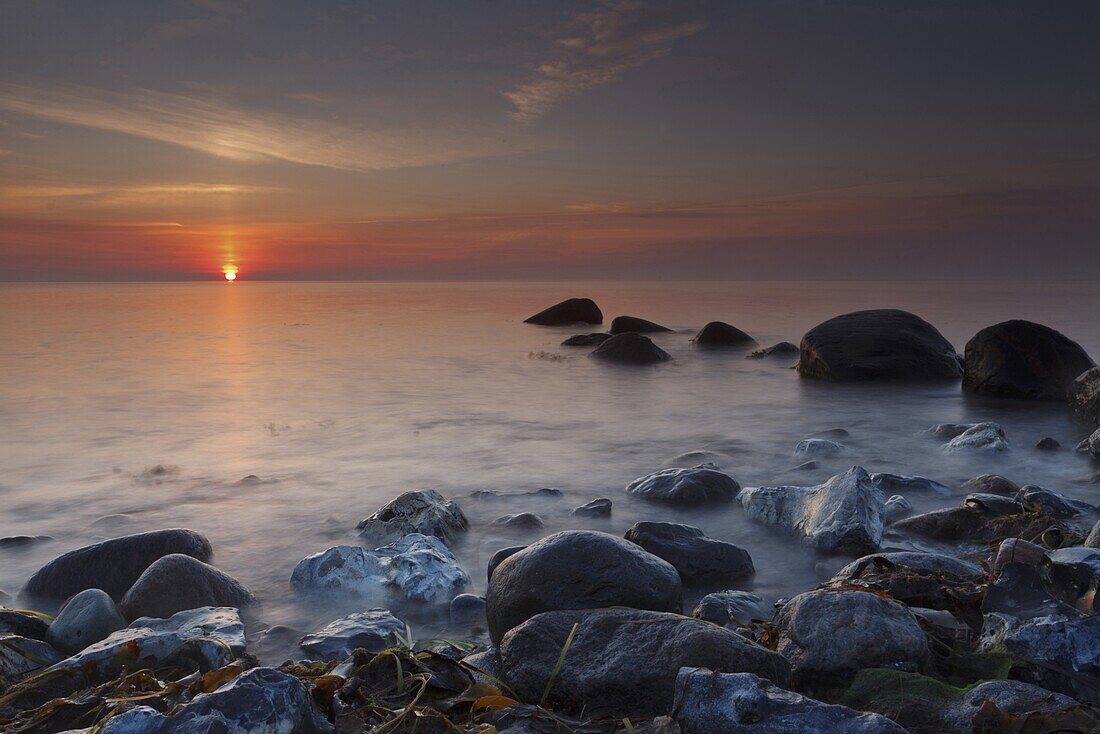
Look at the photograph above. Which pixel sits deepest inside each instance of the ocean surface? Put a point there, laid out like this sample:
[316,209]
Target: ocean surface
[126,408]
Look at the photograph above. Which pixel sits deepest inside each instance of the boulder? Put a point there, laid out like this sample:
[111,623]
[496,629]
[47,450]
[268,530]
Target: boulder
[694,486]
[21,656]
[782,349]
[258,701]
[896,508]
[833,632]
[1084,397]
[1067,651]
[890,484]
[88,617]
[984,437]
[467,609]
[113,565]
[733,609]
[697,558]
[177,582]
[718,703]
[991,484]
[946,431]
[626,324]
[846,514]
[1048,444]
[623,662]
[568,312]
[519,521]
[23,624]
[417,567]
[374,630]
[878,344]
[1022,359]
[1051,502]
[596,508]
[485,666]
[424,511]
[1093,539]
[499,556]
[630,348]
[586,340]
[578,569]
[719,334]
[982,518]
[811,448]
[1091,445]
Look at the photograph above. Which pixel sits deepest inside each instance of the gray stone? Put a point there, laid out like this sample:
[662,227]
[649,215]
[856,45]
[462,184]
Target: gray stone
[890,484]
[519,521]
[811,448]
[467,609]
[586,340]
[374,630]
[113,565]
[694,486]
[21,656]
[719,703]
[1084,397]
[915,561]
[733,609]
[485,667]
[1048,444]
[596,508]
[697,558]
[424,511]
[627,324]
[1009,696]
[623,661]
[718,334]
[1093,539]
[984,437]
[418,567]
[88,617]
[896,508]
[568,312]
[499,556]
[1067,651]
[23,624]
[177,582]
[1022,359]
[991,484]
[578,569]
[630,348]
[1051,502]
[846,514]
[946,431]
[782,349]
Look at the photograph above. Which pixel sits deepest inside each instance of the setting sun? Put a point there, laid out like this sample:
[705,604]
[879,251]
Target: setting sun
[230,275]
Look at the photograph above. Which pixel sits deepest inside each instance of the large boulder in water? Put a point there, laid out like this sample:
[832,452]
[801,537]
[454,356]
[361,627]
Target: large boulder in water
[568,312]
[1084,397]
[578,569]
[846,514]
[423,511]
[178,582]
[695,486]
[630,348]
[720,334]
[624,324]
[113,565]
[878,344]
[1022,359]
[623,662]
[697,558]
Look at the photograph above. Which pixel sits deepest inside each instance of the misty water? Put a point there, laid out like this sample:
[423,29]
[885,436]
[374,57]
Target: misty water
[135,407]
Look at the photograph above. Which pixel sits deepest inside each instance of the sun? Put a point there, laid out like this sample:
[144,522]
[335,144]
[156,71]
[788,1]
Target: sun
[230,275]
[230,272]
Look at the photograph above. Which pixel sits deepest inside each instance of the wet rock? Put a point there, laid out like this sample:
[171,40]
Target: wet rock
[418,567]
[1009,696]
[733,609]
[21,656]
[1023,591]
[520,521]
[890,484]
[586,340]
[1084,397]
[467,609]
[806,466]
[630,348]
[276,643]
[896,508]
[718,334]
[782,349]
[816,447]
[424,511]
[877,344]
[1022,359]
[986,437]
[499,556]
[1051,502]
[1091,445]
[626,324]
[991,484]
[1093,539]
[489,495]
[258,701]
[946,431]
[578,569]
[568,312]
[826,632]
[23,624]
[697,558]
[113,565]
[23,541]
[88,617]
[1016,550]
[374,630]
[844,515]
[623,661]
[177,582]
[718,703]
[205,639]
[596,508]
[1074,575]
[1048,444]
[694,486]
[982,518]
[1067,651]
[485,666]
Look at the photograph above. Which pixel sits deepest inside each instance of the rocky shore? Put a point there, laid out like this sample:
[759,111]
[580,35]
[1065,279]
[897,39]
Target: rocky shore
[991,628]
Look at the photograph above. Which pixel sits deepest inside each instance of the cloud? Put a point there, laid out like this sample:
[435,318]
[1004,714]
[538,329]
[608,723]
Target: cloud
[606,43]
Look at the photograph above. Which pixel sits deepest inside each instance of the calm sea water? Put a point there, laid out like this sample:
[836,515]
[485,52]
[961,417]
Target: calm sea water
[126,408]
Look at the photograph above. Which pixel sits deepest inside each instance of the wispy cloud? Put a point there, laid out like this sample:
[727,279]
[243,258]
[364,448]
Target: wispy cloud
[604,44]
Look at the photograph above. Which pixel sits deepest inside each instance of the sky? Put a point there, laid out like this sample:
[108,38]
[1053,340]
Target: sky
[618,139]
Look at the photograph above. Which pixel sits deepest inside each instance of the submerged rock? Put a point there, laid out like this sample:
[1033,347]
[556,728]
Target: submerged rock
[21,656]
[697,558]
[719,334]
[991,484]
[596,508]
[113,565]
[844,515]
[519,521]
[467,609]
[896,508]
[694,486]
[1084,397]
[947,431]
[623,662]
[424,511]
[88,617]
[782,349]
[568,312]
[877,344]
[987,437]
[1048,444]
[816,447]
[625,324]
[1051,502]
[578,569]
[630,348]
[586,340]
[1022,359]
[418,567]
[890,484]
[373,630]
[177,582]
[733,609]
[707,702]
